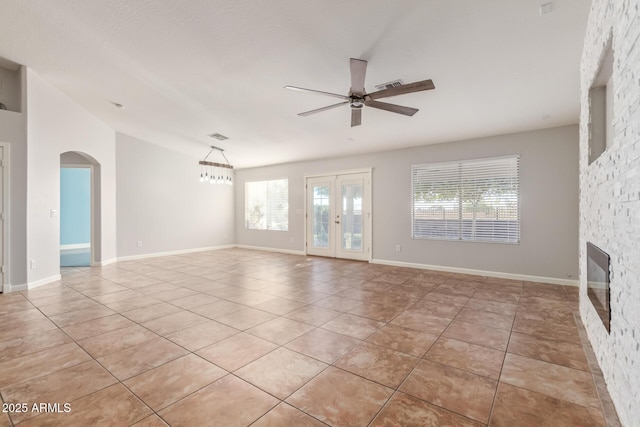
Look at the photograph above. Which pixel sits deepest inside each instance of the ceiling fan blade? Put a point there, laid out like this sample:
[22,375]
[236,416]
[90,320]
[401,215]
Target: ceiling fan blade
[319,110]
[407,111]
[358,71]
[301,89]
[356,117]
[402,89]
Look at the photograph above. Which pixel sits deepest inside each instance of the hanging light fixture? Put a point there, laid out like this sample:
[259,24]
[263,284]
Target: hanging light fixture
[214,172]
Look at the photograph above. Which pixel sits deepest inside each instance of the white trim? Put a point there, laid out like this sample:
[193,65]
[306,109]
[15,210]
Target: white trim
[344,172]
[498,274]
[265,249]
[6,208]
[168,253]
[103,263]
[368,185]
[8,288]
[45,281]
[75,246]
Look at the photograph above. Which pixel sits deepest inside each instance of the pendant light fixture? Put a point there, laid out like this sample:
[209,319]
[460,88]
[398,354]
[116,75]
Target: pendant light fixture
[214,172]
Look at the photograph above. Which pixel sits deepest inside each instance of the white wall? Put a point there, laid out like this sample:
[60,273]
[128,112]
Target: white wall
[57,124]
[610,202]
[549,202]
[13,130]
[162,203]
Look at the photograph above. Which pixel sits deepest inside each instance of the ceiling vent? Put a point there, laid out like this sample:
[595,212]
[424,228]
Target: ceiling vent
[218,136]
[389,85]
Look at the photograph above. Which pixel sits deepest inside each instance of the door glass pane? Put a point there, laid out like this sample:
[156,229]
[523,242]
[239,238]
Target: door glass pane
[320,216]
[351,217]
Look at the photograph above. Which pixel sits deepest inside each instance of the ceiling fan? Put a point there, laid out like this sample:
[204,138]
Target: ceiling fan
[359,98]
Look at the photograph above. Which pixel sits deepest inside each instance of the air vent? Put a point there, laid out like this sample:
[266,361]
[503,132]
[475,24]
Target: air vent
[389,85]
[218,136]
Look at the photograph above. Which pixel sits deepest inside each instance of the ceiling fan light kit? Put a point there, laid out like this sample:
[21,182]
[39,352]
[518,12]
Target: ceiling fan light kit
[358,98]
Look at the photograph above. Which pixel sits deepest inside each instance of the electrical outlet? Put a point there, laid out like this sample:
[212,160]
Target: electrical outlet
[398,248]
[33,264]
[139,243]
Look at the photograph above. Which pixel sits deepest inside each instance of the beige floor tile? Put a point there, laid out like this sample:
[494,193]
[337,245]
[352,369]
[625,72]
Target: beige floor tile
[172,323]
[421,322]
[78,316]
[485,336]
[453,389]
[203,334]
[560,353]
[472,358]
[281,372]
[22,328]
[140,358]
[18,347]
[120,339]
[406,340]
[486,318]
[217,309]
[237,403]
[353,326]
[280,330]
[113,405]
[166,384]
[380,364]
[62,386]
[98,326]
[524,408]
[286,415]
[279,306]
[407,411]
[151,312]
[194,300]
[375,311]
[550,379]
[245,318]
[29,366]
[340,398]
[152,421]
[236,351]
[313,315]
[323,345]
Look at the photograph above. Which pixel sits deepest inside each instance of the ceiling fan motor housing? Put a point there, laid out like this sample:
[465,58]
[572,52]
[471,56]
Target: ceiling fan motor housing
[356,102]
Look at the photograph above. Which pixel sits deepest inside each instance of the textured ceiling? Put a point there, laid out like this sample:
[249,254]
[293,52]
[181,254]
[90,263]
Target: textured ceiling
[185,69]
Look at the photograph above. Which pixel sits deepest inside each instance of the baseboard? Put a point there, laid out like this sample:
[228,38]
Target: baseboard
[75,246]
[179,252]
[498,274]
[105,262]
[265,249]
[8,287]
[45,281]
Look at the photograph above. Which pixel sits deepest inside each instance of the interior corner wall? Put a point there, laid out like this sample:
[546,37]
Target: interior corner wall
[610,202]
[162,203]
[57,124]
[549,205]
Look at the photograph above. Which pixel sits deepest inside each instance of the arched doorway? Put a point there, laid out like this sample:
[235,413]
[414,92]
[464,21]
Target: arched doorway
[79,210]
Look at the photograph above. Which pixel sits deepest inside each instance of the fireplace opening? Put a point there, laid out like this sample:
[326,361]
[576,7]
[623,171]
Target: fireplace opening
[598,283]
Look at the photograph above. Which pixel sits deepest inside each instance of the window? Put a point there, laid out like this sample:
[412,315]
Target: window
[470,200]
[267,205]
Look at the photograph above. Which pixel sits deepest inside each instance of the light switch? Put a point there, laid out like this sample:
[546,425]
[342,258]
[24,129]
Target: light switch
[53,213]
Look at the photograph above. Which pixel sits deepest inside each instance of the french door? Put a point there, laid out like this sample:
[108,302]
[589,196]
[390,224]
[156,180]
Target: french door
[338,216]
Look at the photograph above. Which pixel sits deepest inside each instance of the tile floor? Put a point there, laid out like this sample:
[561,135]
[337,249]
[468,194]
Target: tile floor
[241,337]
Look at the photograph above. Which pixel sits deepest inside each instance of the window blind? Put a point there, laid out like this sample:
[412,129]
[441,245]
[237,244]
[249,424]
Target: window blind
[267,205]
[473,200]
